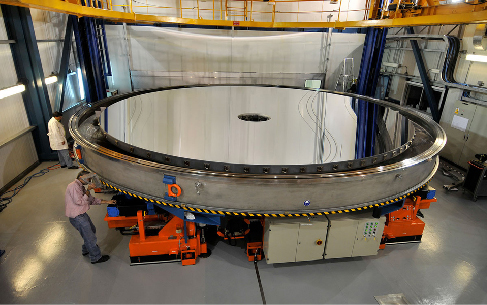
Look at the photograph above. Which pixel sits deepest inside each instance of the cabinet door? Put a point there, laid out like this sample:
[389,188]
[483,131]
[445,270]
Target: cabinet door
[456,137]
[476,137]
[280,242]
[341,237]
[369,234]
[310,233]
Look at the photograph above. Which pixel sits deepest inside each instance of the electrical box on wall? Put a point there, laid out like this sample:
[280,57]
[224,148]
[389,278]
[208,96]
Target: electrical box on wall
[465,128]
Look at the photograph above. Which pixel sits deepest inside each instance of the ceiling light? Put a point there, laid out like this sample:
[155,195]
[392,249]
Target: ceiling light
[51,79]
[473,57]
[11,91]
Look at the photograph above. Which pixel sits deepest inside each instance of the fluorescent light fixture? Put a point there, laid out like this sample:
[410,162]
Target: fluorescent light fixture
[473,57]
[11,91]
[51,79]
[80,83]
[390,64]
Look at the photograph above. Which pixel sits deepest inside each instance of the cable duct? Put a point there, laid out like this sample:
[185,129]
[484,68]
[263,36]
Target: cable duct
[451,56]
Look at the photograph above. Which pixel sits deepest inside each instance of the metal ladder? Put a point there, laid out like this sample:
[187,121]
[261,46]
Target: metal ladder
[102,48]
[346,77]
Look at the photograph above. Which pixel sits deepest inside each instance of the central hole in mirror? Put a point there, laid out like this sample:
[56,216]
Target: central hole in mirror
[253,117]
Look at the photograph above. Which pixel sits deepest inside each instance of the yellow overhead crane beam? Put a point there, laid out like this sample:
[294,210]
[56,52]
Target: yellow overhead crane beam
[430,13]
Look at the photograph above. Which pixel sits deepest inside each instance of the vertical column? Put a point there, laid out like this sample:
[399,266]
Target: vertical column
[63,69]
[28,66]
[430,96]
[367,83]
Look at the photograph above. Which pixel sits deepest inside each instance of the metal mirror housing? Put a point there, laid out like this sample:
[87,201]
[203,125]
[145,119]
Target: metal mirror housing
[400,165]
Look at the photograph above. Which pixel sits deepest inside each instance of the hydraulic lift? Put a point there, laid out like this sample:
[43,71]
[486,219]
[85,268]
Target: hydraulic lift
[164,234]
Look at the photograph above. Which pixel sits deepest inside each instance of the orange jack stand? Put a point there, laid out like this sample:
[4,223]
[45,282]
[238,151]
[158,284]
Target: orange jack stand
[404,225]
[168,244]
[255,250]
[252,249]
[127,221]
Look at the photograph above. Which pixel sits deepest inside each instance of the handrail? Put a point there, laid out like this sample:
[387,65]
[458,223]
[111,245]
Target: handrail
[219,16]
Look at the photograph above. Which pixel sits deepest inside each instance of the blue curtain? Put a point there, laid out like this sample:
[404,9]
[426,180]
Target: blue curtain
[375,40]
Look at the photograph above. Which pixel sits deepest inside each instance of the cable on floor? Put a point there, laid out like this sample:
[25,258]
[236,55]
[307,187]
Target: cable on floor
[6,200]
[258,278]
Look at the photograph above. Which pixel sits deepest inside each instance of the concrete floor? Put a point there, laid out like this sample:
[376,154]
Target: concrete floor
[43,262]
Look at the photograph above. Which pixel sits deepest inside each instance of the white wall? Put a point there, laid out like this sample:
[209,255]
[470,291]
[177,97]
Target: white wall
[17,155]
[155,56]
[52,26]
[465,71]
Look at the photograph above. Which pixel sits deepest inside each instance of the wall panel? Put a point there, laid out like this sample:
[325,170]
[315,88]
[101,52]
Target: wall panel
[18,155]
[52,26]
[168,57]
[467,72]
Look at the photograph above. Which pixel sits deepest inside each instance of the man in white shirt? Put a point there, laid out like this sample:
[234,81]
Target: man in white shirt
[58,142]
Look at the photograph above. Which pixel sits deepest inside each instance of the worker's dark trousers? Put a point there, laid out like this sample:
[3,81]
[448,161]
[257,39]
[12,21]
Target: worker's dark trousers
[87,229]
[64,158]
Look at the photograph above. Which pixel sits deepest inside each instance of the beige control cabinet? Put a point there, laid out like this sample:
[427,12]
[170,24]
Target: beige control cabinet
[337,235]
[354,235]
[465,128]
[294,239]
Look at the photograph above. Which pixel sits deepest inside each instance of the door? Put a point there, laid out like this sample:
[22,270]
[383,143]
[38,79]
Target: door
[341,237]
[476,137]
[280,241]
[456,135]
[311,240]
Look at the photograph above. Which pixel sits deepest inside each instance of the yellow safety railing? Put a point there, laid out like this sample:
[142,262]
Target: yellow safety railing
[271,14]
[242,10]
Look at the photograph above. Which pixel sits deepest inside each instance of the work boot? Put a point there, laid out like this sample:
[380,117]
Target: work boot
[73,167]
[102,259]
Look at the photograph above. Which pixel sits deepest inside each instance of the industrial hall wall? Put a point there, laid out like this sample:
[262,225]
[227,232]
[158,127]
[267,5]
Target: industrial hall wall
[156,56]
[17,149]
[50,29]
[462,144]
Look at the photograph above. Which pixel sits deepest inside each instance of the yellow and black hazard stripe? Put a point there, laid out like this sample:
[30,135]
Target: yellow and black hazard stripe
[217,212]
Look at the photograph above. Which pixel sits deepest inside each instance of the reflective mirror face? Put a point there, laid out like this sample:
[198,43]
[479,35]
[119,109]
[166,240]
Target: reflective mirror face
[245,125]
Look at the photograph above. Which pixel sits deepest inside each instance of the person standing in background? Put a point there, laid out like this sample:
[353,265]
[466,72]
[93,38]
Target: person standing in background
[58,142]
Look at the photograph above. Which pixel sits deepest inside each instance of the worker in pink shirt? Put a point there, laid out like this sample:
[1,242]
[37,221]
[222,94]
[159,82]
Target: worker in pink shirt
[78,202]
